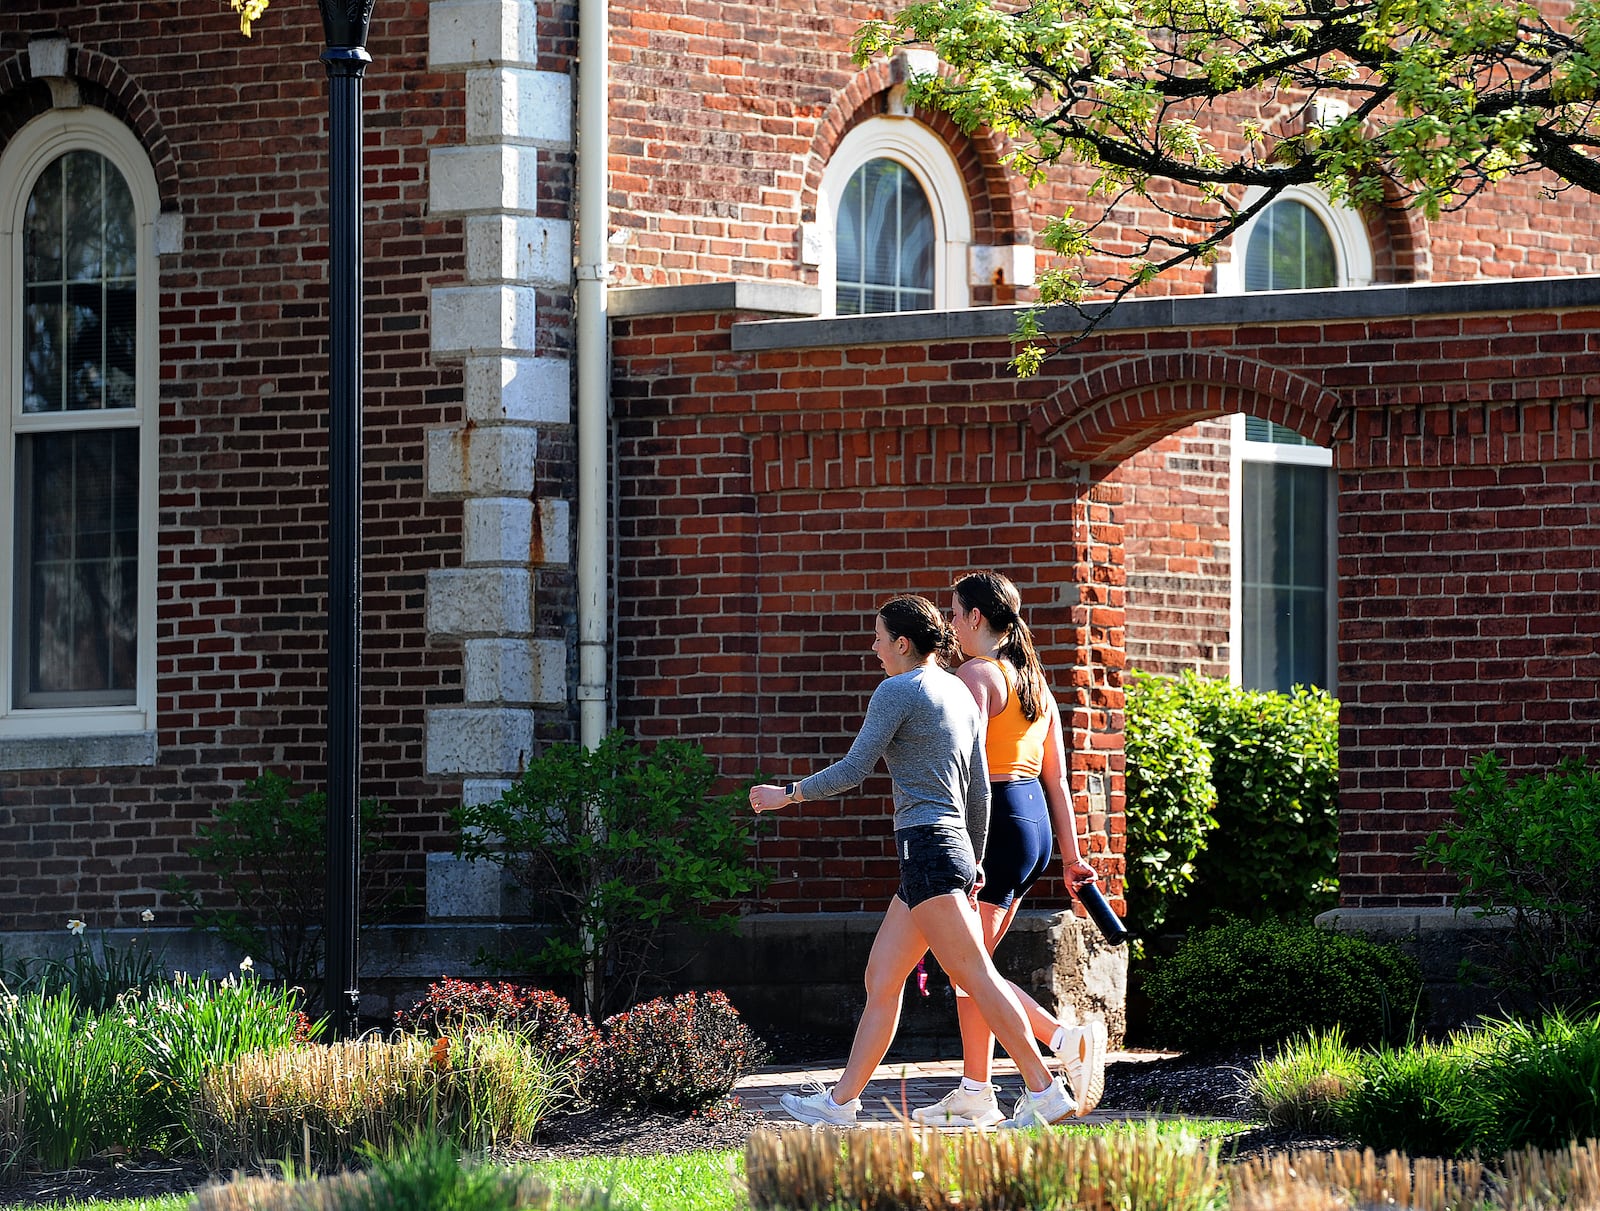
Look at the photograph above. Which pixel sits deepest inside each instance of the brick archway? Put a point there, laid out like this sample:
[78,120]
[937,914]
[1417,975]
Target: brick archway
[1100,417]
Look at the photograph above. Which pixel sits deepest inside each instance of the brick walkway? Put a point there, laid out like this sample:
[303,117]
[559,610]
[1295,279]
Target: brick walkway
[900,1087]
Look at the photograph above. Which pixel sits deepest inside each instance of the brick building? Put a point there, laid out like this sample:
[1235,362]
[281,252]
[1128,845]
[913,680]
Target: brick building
[809,409]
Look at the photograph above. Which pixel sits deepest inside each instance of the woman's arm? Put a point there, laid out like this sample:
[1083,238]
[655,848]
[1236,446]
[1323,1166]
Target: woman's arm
[1058,796]
[885,712]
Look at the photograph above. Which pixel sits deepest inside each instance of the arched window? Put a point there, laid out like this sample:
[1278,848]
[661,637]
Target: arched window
[78,206]
[894,228]
[885,242]
[1302,241]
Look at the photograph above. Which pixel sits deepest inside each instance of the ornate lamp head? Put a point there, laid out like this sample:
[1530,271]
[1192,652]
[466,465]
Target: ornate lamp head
[345,22]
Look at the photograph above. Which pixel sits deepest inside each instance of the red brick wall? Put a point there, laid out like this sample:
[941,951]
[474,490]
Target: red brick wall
[770,498]
[1177,551]
[235,129]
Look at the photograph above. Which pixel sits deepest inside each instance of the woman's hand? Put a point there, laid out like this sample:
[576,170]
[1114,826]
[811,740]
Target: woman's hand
[768,798]
[1078,873]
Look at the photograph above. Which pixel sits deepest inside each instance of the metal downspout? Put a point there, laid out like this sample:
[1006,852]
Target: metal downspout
[593,366]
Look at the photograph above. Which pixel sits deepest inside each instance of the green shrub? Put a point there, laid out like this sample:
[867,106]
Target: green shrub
[1241,984]
[611,845]
[1169,798]
[1539,1085]
[681,1054]
[1301,1087]
[269,850]
[1417,1099]
[1275,766]
[1528,852]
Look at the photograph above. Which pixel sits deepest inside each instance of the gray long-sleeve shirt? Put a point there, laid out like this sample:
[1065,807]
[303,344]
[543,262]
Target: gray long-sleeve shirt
[925,724]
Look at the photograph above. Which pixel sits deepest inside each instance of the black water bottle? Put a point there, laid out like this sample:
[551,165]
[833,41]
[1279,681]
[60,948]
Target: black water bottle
[1110,925]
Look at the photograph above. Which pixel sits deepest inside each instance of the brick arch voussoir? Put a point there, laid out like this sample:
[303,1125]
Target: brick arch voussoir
[996,194]
[1101,417]
[108,86]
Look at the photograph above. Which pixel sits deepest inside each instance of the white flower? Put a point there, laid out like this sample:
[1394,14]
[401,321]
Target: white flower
[147,916]
[247,964]
[76,926]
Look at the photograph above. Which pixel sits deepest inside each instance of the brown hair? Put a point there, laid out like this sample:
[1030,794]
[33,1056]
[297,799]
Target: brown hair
[919,620]
[997,599]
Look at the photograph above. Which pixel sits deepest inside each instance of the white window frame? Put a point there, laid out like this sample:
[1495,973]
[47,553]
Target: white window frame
[912,145]
[1352,248]
[25,157]
[1241,451]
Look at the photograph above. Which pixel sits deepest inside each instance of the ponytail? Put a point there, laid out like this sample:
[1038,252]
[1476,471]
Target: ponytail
[997,599]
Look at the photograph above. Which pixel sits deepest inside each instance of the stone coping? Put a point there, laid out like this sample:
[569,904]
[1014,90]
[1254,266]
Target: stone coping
[1402,300]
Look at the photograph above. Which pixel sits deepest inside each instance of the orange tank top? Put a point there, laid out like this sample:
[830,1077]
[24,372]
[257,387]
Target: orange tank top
[1013,746]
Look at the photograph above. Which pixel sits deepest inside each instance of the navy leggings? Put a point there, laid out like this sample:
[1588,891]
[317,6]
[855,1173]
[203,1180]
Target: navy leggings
[1020,840]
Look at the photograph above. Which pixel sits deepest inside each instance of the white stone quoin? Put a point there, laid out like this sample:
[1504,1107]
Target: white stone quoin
[489,322]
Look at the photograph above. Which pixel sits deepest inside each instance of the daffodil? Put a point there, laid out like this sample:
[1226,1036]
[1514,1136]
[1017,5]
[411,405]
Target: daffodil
[76,927]
[247,964]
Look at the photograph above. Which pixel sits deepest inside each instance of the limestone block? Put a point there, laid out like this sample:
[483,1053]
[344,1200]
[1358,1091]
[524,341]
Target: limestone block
[47,57]
[483,179]
[533,389]
[479,601]
[516,105]
[471,33]
[519,248]
[483,790]
[478,740]
[555,533]
[498,530]
[484,320]
[462,888]
[482,461]
[515,671]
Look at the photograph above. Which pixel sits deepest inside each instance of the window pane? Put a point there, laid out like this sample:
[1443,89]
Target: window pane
[1289,249]
[77,567]
[81,301]
[885,242]
[1284,574]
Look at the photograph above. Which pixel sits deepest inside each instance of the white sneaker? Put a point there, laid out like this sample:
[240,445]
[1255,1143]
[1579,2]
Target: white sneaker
[961,1107]
[1083,1063]
[819,1109]
[1053,1105]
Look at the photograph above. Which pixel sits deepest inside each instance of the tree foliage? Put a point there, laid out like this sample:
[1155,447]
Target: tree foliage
[1205,111]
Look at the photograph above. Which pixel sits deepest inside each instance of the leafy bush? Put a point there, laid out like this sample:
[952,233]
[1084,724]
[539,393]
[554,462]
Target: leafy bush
[678,1055]
[1169,798]
[1275,766]
[484,1088]
[269,849]
[611,845]
[1529,852]
[1241,984]
[456,1007]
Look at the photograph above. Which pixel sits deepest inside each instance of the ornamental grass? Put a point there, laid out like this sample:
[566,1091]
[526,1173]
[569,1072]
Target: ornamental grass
[329,1104]
[922,1170]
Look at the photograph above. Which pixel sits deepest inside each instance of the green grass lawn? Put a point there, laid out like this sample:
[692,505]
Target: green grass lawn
[696,1181]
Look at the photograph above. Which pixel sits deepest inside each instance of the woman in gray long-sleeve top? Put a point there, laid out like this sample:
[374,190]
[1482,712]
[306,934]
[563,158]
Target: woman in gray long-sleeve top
[924,723]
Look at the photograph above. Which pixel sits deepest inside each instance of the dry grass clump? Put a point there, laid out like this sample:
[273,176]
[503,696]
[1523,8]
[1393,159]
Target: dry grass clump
[11,1133]
[1345,1179]
[328,1103]
[358,1191]
[917,1170]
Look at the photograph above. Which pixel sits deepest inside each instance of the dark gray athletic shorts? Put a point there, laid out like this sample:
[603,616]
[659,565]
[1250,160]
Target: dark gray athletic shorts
[935,859]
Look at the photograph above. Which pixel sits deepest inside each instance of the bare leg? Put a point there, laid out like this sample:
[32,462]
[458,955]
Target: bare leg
[977,1041]
[895,951]
[953,933]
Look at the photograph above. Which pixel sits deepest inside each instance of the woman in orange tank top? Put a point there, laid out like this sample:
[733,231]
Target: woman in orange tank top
[1028,780]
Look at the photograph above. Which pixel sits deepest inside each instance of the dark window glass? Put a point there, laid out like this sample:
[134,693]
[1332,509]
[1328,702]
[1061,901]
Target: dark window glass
[77,501]
[79,297]
[1289,249]
[884,242]
[1285,591]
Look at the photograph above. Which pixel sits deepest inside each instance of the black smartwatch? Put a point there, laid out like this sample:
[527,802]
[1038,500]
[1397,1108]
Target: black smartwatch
[793,792]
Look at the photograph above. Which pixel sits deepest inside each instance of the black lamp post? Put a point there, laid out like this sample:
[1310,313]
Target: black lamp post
[344,23]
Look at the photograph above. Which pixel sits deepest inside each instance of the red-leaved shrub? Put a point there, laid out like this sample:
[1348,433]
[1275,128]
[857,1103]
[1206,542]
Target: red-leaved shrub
[543,1018]
[679,1054]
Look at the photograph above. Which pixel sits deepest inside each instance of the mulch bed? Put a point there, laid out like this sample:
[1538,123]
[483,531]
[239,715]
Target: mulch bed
[1211,1086]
